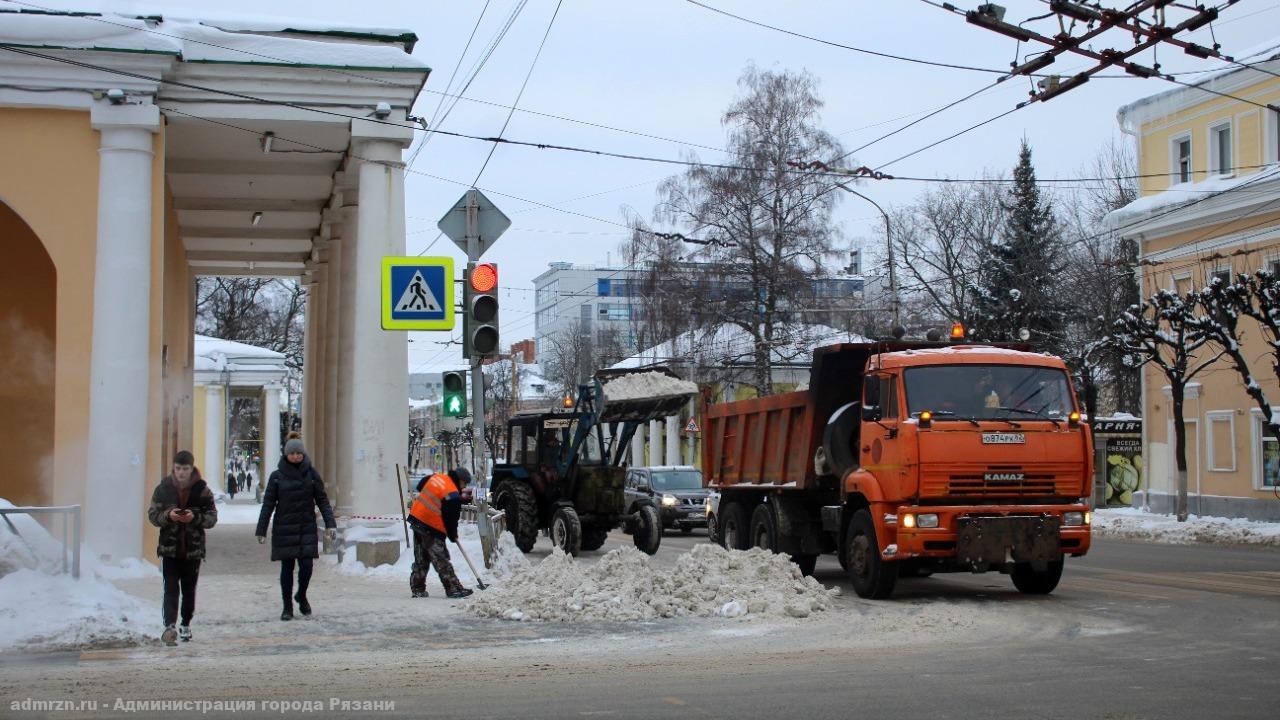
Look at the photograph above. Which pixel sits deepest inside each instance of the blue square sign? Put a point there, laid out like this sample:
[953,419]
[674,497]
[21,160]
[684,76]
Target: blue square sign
[417,293]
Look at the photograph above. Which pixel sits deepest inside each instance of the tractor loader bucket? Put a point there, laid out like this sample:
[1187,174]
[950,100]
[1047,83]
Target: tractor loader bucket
[642,395]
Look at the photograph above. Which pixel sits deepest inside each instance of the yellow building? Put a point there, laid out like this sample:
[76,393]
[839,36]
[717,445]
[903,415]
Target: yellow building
[1210,206]
[140,152]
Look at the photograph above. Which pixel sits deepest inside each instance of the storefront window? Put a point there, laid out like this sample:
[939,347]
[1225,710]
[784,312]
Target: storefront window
[1270,462]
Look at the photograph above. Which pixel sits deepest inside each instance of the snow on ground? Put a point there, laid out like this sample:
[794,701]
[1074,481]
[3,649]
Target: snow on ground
[231,513]
[708,581]
[40,608]
[1133,524]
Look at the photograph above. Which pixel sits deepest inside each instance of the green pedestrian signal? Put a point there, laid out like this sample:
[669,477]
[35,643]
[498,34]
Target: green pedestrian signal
[455,393]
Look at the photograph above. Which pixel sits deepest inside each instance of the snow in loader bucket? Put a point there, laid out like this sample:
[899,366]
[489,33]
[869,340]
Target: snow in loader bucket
[636,396]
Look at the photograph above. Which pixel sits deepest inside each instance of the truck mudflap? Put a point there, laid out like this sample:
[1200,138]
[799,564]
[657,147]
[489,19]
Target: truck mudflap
[993,542]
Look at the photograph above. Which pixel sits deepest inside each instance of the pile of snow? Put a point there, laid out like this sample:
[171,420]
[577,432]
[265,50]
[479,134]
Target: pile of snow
[709,581]
[42,609]
[1133,524]
[234,513]
[643,385]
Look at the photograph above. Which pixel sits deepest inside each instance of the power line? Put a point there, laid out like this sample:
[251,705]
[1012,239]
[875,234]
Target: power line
[449,85]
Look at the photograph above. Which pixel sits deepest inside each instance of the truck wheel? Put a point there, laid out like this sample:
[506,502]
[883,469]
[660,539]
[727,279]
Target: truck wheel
[806,562]
[764,531]
[1032,582]
[648,532]
[871,576]
[566,530]
[733,526]
[593,536]
[516,499]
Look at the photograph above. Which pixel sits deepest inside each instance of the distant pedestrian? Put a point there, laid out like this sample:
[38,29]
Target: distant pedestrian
[182,507]
[433,517]
[294,491]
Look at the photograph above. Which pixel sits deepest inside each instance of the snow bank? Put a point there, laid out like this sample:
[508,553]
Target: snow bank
[706,582]
[233,513]
[646,385]
[41,609]
[1133,524]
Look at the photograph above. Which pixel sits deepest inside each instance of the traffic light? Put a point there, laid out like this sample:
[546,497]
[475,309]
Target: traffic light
[455,393]
[480,311]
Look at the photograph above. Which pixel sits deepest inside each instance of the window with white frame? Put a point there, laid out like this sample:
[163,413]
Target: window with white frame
[1183,284]
[1273,265]
[1180,154]
[1266,455]
[1220,149]
[1222,272]
[1221,440]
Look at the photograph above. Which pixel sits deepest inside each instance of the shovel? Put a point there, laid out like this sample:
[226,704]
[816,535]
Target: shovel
[479,583]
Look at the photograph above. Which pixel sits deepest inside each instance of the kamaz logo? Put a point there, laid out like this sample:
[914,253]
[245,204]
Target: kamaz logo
[1004,477]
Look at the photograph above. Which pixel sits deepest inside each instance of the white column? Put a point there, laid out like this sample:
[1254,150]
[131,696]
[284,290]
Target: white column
[655,443]
[332,362]
[314,397]
[637,448]
[116,488]
[271,429]
[214,462]
[673,440]
[309,360]
[379,396]
[344,429]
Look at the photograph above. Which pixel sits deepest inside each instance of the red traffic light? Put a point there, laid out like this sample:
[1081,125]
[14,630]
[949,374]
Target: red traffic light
[484,278]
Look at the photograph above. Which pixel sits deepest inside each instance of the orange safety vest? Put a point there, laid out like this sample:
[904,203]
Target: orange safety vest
[427,507]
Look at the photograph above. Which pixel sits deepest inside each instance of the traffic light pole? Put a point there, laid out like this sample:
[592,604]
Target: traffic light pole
[479,466]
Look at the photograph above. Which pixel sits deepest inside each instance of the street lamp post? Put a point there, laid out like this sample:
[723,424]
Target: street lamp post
[888,239]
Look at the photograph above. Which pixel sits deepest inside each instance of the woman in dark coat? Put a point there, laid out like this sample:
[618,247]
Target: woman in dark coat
[294,491]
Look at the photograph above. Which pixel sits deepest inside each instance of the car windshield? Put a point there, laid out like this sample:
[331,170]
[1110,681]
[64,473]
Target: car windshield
[676,479]
[988,392]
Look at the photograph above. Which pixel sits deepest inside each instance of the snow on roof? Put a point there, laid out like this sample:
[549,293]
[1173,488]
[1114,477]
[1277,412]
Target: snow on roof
[217,354]
[1170,101]
[1183,194]
[261,41]
[729,344]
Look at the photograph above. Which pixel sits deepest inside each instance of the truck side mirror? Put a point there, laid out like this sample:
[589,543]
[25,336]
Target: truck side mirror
[871,413]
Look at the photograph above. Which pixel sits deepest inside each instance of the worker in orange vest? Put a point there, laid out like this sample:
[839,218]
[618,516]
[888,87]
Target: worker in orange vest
[433,517]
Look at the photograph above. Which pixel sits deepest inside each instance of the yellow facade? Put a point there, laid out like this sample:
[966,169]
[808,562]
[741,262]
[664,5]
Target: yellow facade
[49,185]
[1182,249]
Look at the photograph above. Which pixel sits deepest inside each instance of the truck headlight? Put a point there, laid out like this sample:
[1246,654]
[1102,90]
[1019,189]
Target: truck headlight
[927,520]
[908,520]
[669,500]
[1075,518]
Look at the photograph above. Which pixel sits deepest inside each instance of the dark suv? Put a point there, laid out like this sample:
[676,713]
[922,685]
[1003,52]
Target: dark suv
[675,490]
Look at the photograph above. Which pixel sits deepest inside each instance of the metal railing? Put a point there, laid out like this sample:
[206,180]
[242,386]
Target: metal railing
[70,532]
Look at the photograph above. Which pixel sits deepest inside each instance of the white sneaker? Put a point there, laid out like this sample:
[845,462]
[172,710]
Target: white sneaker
[184,633]
[169,636]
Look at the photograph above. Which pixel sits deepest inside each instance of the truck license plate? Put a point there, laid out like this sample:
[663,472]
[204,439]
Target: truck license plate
[1003,438]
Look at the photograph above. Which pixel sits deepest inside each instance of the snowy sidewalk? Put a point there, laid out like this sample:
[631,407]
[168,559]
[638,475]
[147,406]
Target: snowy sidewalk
[1134,524]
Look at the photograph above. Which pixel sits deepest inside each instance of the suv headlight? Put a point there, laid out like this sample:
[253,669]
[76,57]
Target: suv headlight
[669,500]
[1075,518]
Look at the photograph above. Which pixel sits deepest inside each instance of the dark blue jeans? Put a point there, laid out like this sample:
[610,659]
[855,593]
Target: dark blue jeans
[286,579]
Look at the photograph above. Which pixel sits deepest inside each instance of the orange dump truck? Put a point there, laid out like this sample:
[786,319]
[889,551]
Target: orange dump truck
[907,459]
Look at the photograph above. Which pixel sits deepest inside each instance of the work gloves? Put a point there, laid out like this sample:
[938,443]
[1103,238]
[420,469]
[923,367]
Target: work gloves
[262,539]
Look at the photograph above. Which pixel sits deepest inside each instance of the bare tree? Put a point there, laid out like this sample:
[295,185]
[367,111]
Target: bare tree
[499,403]
[1225,304]
[1164,332]
[771,226]
[568,360]
[939,242]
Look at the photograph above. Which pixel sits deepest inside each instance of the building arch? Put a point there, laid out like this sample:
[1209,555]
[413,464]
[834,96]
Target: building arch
[28,337]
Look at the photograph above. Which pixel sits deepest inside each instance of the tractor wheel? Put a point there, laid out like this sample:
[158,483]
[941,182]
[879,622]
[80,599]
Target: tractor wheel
[516,499]
[872,577]
[648,531]
[566,530]
[733,526]
[1031,582]
[593,536]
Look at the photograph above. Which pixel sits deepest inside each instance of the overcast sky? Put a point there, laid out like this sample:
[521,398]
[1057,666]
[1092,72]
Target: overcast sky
[669,68]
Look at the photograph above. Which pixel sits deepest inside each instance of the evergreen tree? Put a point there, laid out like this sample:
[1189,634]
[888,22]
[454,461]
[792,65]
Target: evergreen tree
[1025,260]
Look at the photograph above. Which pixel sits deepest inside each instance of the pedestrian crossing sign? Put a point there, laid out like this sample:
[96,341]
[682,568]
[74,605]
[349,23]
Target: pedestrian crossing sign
[417,293]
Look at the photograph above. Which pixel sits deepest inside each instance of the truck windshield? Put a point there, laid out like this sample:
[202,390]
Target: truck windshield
[676,479]
[988,392]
